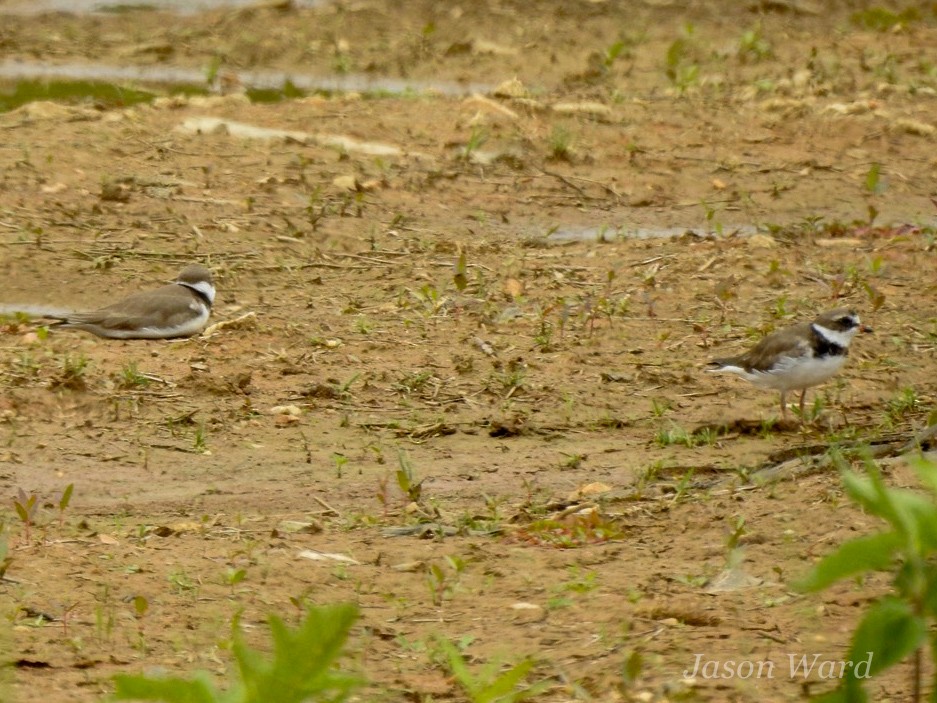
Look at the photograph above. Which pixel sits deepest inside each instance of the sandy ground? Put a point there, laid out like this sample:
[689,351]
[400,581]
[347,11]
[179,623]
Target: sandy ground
[583,483]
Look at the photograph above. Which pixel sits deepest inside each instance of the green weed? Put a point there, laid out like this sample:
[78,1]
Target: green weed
[130,377]
[303,667]
[490,684]
[898,625]
[880,19]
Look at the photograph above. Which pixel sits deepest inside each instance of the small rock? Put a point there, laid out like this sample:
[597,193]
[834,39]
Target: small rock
[299,526]
[347,183]
[762,241]
[584,108]
[915,127]
[511,88]
[294,410]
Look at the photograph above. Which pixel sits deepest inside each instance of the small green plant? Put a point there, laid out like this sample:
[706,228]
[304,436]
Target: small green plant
[130,377]
[571,532]
[181,582]
[613,51]
[339,460]
[64,500]
[430,299]
[812,411]
[460,273]
[199,442]
[342,63]
[413,381]
[707,435]
[880,19]
[212,69]
[26,507]
[302,669]
[140,608]
[344,389]
[580,581]
[443,583]
[897,625]
[5,558]
[680,71]
[544,338]
[630,671]
[905,403]
[736,532]
[232,577]
[477,139]
[73,371]
[490,684]
[675,434]
[684,484]
[412,489]
[779,309]
[511,381]
[561,144]
[105,616]
[873,180]
[753,46]
[363,325]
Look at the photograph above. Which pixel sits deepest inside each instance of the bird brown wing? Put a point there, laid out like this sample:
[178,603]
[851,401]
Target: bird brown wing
[790,342]
[163,307]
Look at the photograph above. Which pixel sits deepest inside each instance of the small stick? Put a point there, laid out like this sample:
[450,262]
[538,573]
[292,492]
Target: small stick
[326,506]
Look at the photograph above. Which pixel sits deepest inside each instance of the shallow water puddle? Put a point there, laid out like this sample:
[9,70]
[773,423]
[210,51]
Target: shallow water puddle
[257,84]
[606,233]
[85,7]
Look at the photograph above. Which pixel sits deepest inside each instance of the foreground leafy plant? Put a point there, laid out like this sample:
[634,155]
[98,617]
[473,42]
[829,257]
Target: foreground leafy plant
[302,669]
[895,626]
[489,686]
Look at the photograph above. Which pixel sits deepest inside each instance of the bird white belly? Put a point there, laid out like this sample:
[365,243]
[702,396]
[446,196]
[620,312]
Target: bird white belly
[188,328]
[790,374]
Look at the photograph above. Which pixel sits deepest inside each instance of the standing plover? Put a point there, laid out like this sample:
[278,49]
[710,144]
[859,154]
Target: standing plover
[798,357]
[179,309]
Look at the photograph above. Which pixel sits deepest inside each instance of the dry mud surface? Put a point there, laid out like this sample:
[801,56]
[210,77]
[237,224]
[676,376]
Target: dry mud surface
[583,479]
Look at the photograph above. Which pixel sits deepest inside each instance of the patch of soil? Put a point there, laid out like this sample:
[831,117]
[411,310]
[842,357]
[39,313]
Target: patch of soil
[543,394]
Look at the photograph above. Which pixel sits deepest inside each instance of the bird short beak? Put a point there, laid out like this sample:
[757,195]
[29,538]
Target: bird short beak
[865,329]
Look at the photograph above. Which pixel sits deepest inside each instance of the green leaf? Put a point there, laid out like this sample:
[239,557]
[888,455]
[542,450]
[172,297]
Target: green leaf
[872,494]
[873,179]
[839,695]
[303,661]
[632,667]
[303,667]
[487,686]
[457,665]
[926,472]
[460,277]
[403,480]
[170,690]
[890,631]
[507,683]
[864,491]
[872,553]
[674,55]
[140,606]
[66,496]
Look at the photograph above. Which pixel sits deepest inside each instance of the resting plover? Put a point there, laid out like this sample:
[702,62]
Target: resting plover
[180,309]
[798,357]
